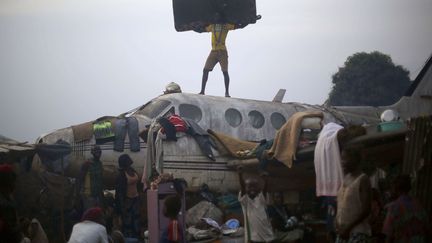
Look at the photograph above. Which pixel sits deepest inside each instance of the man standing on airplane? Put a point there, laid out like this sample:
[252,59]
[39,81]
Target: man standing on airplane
[218,53]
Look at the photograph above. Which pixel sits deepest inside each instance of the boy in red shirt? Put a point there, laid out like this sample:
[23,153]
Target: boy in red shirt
[174,232]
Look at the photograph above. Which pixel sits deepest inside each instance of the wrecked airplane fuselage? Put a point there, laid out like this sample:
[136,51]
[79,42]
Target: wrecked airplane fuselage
[249,120]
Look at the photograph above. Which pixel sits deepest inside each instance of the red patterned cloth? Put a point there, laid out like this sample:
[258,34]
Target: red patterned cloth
[178,122]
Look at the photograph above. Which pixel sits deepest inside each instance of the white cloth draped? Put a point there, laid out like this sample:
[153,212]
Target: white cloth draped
[327,161]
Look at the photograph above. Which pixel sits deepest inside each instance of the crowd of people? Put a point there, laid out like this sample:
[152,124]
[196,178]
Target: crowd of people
[119,215]
[360,212]
[101,218]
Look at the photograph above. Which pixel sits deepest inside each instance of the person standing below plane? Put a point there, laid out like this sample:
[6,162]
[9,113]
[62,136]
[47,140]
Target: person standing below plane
[406,219]
[353,201]
[283,222]
[253,202]
[218,53]
[90,181]
[127,203]
[173,233]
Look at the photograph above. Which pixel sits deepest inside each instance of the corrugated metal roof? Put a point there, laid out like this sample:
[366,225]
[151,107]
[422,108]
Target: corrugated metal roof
[8,145]
[418,159]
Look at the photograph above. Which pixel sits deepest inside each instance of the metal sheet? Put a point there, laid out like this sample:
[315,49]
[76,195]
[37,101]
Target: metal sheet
[418,159]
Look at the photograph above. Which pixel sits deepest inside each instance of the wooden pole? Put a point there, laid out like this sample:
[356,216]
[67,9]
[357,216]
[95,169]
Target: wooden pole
[63,237]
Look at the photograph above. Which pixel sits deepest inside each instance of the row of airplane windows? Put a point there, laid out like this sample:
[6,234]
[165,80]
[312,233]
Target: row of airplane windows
[233,117]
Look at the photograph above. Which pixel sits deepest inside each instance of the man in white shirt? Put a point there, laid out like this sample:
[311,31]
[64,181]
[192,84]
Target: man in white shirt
[91,229]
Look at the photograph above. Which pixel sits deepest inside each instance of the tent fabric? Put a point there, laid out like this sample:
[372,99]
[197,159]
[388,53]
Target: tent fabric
[8,145]
[4,139]
[231,145]
[286,140]
[82,132]
[54,156]
[58,189]
[54,151]
[50,154]
[5,148]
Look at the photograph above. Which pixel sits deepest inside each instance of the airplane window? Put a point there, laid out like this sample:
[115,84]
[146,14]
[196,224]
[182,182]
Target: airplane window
[233,117]
[154,108]
[256,119]
[277,120]
[190,111]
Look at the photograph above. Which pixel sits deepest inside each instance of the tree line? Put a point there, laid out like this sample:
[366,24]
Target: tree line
[368,79]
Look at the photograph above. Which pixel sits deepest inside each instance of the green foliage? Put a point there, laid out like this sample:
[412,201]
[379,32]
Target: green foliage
[370,79]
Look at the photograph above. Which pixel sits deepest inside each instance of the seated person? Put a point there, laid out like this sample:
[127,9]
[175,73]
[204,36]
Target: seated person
[283,222]
[173,232]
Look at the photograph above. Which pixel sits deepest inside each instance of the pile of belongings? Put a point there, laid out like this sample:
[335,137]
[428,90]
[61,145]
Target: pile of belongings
[300,131]
[310,128]
[174,123]
[205,220]
[169,129]
[210,229]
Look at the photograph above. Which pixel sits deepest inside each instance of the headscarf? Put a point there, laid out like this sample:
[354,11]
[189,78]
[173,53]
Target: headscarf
[7,175]
[6,168]
[92,214]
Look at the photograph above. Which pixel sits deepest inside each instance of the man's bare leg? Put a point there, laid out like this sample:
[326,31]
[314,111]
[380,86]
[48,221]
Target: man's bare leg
[204,81]
[226,80]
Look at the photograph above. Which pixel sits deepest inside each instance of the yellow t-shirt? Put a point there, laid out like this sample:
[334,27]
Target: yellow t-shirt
[219,34]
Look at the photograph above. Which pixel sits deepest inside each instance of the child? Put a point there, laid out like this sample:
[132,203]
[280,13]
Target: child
[253,202]
[173,233]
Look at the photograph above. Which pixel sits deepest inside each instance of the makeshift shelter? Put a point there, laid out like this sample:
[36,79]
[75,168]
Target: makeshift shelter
[54,185]
[11,150]
[418,159]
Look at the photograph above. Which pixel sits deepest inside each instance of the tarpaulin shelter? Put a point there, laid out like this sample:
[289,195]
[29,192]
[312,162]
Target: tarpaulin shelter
[52,156]
[10,149]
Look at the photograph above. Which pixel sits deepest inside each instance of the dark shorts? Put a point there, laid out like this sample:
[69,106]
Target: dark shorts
[221,57]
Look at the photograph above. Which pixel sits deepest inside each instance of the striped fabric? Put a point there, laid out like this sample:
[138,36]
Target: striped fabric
[174,234]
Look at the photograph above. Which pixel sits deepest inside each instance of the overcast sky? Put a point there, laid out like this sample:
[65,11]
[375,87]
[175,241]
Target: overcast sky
[64,62]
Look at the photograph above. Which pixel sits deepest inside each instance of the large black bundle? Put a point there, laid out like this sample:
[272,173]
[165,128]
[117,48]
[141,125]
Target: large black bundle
[196,14]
